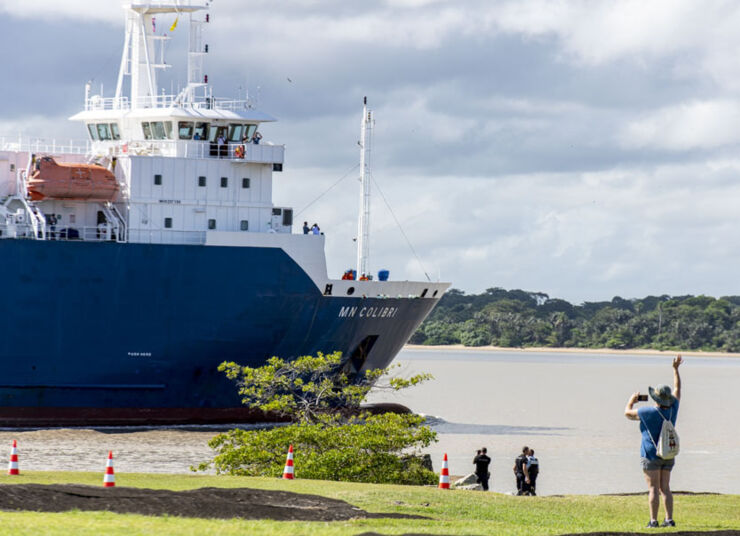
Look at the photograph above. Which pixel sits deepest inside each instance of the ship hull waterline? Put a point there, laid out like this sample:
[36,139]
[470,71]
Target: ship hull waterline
[109,334]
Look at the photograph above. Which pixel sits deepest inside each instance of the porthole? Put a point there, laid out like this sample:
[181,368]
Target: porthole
[350,291]
[424,292]
[434,294]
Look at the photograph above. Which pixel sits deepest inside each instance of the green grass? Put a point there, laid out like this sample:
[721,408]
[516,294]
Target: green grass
[450,512]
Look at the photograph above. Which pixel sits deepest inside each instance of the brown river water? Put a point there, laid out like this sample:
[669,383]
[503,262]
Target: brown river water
[567,406]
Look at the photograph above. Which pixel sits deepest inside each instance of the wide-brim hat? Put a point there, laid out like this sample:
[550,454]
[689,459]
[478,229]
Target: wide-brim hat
[662,395]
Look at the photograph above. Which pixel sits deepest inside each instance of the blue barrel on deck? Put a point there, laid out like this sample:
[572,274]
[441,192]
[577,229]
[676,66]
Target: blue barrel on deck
[383,275]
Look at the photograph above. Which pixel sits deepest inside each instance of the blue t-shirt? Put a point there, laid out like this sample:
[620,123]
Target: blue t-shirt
[650,423]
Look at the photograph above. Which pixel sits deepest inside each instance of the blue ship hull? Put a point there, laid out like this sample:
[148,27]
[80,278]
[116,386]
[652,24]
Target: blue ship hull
[107,333]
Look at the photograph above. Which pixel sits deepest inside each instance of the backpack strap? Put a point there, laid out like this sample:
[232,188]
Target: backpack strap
[650,435]
[669,418]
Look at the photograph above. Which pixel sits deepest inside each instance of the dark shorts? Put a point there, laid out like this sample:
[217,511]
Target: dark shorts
[657,463]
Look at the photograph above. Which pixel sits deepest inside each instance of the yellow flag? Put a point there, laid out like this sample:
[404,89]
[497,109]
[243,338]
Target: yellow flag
[174,24]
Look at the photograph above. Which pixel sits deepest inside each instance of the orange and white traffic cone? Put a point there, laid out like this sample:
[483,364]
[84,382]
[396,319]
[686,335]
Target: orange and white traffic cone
[109,479]
[288,471]
[13,465]
[444,475]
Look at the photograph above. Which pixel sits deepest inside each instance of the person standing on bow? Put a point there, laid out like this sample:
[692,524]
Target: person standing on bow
[657,470]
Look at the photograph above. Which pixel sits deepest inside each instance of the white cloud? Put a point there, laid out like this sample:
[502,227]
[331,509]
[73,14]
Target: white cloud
[598,31]
[100,10]
[693,125]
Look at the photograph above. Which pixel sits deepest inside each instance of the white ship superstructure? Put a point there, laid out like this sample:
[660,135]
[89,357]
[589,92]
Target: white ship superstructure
[213,173]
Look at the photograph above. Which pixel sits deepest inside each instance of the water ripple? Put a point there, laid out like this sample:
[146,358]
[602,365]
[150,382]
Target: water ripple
[442,426]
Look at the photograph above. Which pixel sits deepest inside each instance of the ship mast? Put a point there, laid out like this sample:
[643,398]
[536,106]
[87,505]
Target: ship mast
[363,224]
[140,61]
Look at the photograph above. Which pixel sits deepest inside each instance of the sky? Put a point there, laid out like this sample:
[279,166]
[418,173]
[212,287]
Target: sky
[585,149]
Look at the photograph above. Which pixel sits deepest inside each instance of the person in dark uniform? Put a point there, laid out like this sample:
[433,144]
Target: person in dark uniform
[306,229]
[532,469]
[519,464]
[482,461]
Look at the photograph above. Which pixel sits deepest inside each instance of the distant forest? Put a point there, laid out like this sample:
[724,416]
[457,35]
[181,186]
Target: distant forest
[518,318]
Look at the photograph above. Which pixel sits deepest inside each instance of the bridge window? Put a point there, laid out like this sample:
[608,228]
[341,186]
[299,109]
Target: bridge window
[235,132]
[211,224]
[93,131]
[168,223]
[147,129]
[158,130]
[249,131]
[185,130]
[158,180]
[224,182]
[244,225]
[245,182]
[201,181]
[115,133]
[103,131]
[217,131]
[201,131]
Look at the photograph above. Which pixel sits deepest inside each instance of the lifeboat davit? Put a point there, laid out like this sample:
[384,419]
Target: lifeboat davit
[89,182]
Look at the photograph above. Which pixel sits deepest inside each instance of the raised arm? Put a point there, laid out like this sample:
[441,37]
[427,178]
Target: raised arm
[630,413]
[677,377]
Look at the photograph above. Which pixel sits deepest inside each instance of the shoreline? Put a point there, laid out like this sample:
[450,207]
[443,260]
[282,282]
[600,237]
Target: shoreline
[542,350]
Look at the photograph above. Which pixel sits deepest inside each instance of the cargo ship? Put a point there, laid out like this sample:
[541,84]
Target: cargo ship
[139,259]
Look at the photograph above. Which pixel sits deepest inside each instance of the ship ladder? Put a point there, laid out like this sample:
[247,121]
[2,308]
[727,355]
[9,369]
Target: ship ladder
[117,221]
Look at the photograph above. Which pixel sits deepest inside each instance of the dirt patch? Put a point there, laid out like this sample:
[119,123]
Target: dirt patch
[683,533]
[210,503]
[635,493]
[679,533]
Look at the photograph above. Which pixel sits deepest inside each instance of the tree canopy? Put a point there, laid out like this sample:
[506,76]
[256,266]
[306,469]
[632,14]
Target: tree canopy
[518,318]
[333,438]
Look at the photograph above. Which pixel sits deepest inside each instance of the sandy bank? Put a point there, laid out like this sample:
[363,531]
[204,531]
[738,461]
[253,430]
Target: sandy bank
[632,351]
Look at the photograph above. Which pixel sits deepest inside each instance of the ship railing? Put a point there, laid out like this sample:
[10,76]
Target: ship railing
[97,103]
[262,153]
[43,145]
[101,233]
[64,233]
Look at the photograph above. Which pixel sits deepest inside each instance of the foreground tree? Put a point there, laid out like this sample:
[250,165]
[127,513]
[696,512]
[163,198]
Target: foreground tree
[310,386]
[333,438]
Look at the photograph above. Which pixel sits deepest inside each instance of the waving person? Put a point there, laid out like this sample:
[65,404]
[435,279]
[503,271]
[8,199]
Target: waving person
[657,470]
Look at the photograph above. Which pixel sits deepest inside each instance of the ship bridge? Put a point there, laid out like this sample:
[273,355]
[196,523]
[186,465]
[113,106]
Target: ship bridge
[192,123]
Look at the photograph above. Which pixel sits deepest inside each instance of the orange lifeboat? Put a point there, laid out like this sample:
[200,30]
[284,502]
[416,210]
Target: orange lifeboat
[89,182]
